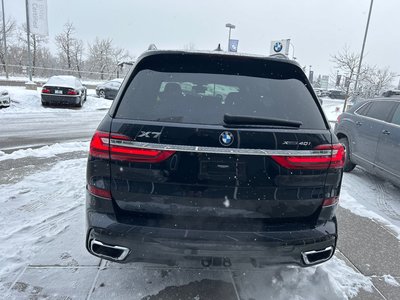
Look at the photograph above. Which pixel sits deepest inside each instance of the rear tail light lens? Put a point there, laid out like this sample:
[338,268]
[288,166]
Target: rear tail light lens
[338,118]
[330,201]
[117,147]
[99,192]
[45,91]
[326,156]
[72,92]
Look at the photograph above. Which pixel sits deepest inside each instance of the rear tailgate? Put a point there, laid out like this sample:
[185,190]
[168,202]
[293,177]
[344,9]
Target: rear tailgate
[174,163]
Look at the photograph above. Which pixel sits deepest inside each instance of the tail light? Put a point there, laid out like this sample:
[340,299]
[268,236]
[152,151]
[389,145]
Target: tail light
[330,201]
[72,92]
[118,147]
[45,91]
[324,157]
[338,118]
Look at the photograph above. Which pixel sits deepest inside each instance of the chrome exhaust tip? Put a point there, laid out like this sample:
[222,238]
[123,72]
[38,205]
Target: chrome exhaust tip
[317,256]
[111,252]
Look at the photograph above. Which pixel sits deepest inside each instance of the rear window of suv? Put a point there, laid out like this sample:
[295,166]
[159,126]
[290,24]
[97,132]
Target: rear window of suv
[200,89]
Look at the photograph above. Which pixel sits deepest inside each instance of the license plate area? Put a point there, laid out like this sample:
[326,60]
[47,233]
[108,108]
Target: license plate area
[222,170]
[58,92]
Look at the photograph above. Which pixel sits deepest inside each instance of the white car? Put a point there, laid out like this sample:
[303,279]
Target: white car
[4,99]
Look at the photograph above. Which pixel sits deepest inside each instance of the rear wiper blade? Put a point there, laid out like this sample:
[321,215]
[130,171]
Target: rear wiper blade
[249,120]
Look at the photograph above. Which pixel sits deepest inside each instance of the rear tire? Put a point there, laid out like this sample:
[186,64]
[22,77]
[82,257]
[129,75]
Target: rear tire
[80,104]
[348,165]
[102,94]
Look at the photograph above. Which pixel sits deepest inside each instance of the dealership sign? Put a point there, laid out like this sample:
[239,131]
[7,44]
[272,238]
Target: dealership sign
[280,46]
[38,17]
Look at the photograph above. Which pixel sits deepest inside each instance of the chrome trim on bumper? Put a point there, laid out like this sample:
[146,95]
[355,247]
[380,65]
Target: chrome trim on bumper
[124,254]
[308,262]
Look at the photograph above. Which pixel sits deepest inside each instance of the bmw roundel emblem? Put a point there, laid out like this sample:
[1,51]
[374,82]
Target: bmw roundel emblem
[278,47]
[226,138]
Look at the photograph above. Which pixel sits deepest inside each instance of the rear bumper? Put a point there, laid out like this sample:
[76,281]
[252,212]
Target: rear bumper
[61,99]
[167,245]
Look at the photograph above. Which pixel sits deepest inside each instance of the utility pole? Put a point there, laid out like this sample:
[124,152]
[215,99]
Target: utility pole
[4,39]
[363,46]
[29,41]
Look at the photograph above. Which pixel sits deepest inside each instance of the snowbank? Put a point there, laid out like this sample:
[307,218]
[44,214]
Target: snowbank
[46,151]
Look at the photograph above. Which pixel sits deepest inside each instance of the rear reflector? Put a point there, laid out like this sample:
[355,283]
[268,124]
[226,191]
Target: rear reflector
[99,192]
[72,92]
[330,201]
[116,147]
[333,158]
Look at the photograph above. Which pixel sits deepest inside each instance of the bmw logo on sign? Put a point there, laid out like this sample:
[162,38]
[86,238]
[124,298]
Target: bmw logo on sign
[226,138]
[278,47]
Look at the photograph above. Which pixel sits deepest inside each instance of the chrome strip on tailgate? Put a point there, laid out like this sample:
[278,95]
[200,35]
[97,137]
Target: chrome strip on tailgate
[217,150]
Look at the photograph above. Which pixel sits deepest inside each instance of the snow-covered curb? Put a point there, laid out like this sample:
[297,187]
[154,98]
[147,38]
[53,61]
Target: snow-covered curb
[46,151]
[348,202]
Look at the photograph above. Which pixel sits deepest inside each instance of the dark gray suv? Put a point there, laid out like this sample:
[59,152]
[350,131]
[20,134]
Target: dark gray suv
[370,132]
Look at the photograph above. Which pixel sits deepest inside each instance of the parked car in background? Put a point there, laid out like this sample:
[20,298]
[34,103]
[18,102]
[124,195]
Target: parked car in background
[109,89]
[66,89]
[243,167]
[4,99]
[370,132]
[391,93]
[336,94]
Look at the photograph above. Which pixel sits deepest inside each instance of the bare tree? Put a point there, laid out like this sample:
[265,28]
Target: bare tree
[347,63]
[70,48]
[37,43]
[376,81]
[10,30]
[103,58]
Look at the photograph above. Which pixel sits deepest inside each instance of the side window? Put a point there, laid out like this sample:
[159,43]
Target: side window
[396,116]
[363,109]
[380,110]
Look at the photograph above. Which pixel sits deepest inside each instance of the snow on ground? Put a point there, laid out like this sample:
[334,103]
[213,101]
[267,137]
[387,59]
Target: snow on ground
[25,101]
[35,210]
[46,151]
[40,207]
[332,108]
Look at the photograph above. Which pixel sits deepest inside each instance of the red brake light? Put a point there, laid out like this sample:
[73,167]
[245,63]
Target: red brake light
[338,119]
[99,192]
[105,146]
[100,145]
[119,151]
[45,91]
[331,156]
[72,92]
[330,201]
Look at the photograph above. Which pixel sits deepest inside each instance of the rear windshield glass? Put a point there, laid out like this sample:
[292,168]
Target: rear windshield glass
[204,97]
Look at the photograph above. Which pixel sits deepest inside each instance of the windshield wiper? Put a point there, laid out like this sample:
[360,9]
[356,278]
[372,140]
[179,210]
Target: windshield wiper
[249,120]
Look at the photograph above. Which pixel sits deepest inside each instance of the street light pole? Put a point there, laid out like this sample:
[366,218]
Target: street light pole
[363,46]
[4,39]
[230,26]
[29,42]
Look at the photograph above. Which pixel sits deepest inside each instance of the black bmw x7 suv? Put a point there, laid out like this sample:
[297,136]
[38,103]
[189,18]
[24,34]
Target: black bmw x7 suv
[214,157]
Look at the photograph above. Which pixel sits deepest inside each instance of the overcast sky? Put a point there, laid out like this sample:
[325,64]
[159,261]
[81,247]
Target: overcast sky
[317,28]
